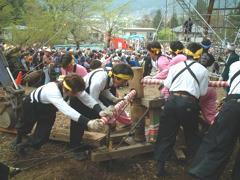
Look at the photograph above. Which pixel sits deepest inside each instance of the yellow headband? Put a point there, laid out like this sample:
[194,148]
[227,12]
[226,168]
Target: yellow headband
[156,50]
[67,86]
[121,76]
[195,55]
[177,51]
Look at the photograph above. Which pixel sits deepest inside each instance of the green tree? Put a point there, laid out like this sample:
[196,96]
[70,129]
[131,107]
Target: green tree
[145,21]
[60,20]
[111,18]
[234,23]
[166,35]
[6,14]
[157,18]
[173,21]
[201,7]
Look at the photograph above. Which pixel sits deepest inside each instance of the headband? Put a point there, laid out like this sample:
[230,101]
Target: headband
[178,51]
[67,86]
[121,76]
[195,55]
[156,50]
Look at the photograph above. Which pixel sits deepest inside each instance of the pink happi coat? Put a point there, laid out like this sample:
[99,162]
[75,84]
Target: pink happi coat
[163,71]
[208,105]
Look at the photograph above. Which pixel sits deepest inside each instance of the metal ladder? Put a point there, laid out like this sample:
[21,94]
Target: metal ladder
[187,6]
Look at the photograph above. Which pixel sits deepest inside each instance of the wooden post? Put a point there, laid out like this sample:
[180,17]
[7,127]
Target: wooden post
[137,109]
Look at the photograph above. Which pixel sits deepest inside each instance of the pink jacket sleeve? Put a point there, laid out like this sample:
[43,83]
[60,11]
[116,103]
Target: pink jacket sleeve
[208,105]
[80,70]
[162,63]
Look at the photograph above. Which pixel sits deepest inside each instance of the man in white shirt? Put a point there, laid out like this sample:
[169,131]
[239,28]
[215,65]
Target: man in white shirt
[98,84]
[186,81]
[218,144]
[41,105]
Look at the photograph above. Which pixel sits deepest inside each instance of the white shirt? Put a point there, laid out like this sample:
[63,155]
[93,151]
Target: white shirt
[235,86]
[185,81]
[98,85]
[51,95]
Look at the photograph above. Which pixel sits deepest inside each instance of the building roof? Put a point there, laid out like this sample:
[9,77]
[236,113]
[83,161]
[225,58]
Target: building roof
[195,29]
[139,30]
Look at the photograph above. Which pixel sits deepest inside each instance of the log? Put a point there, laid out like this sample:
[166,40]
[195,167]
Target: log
[121,152]
[152,102]
[137,109]
[92,138]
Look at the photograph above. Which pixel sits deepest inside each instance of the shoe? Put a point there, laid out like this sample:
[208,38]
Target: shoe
[130,140]
[161,169]
[14,171]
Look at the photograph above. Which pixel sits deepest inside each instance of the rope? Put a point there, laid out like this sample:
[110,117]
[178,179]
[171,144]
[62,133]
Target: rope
[159,82]
[46,159]
[119,107]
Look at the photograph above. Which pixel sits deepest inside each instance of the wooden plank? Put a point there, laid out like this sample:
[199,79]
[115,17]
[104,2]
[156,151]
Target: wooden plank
[11,131]
[125,151]
[92,138]
[152,102]
[117,137]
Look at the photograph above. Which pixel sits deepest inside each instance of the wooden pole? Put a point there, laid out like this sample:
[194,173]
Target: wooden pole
[137,109]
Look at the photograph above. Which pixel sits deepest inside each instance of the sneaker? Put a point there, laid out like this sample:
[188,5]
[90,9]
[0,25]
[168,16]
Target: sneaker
[14,171]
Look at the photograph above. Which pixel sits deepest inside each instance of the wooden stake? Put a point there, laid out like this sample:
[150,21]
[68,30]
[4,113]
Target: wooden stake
[137,109]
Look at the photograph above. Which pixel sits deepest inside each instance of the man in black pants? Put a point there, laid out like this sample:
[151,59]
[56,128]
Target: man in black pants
[218,144]
[41,105]
[98,85]
[187,81]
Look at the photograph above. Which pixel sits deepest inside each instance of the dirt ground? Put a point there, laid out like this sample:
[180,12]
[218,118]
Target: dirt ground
[57,163]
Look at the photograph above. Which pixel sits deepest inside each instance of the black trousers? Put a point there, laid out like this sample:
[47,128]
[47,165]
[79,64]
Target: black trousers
[178,111]
[76,129]
[43,115]
[4,171]
[218,144]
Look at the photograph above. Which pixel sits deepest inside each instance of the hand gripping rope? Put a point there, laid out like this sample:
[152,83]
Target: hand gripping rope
[120,106]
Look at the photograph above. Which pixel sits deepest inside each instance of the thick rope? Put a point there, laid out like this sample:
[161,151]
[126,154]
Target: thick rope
[210,83]
[120,106]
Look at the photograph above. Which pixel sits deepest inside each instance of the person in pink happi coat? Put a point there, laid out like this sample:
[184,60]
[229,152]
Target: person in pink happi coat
[176,49]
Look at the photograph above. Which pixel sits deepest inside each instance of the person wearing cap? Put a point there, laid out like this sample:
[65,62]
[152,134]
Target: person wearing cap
[154,49]
[231,58]
[186,81]
[69,66]
[207,59]
[41,105]
[208,101]
[218,144]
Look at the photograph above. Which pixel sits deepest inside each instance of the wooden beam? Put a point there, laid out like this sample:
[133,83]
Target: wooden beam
[92,138]
[136,109]
[126,151]
[152,102]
